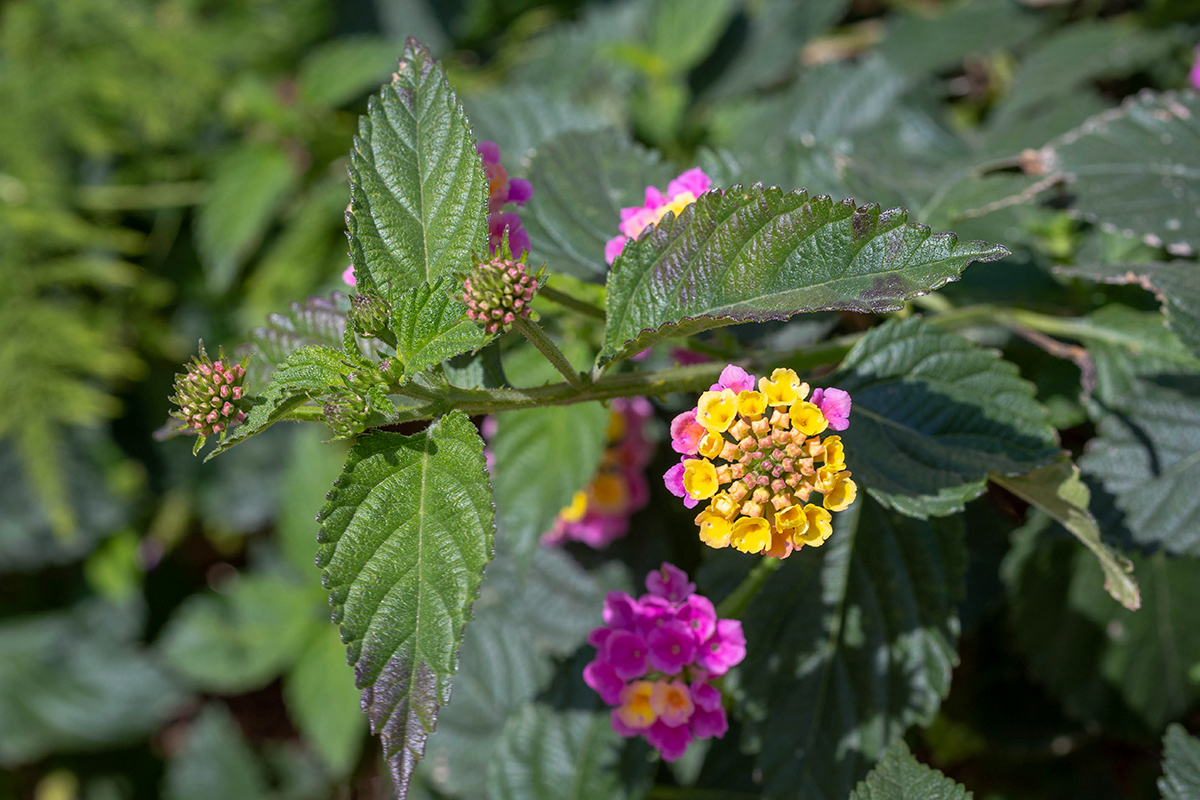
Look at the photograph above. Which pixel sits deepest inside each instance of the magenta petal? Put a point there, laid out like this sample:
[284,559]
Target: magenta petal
[737,379]
[686,433]
[674,481]
[835,406]
[671,742]
[726,648]
[519,191]
[670,582]
[597,636]
[709,724]
[490,151]
[706,696]
[627,654]
[620,727]
[699,615]
[603,679]
[694,181]
[672,647]
[654,198]
[614,246]
[348,276]
[620,611]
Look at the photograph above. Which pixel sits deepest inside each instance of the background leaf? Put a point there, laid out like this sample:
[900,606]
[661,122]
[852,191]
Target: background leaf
[344,69]
[431,326]
[404,540]
[858,646]
[899,776]
[215,762]
[756,254]
[1181,765]
[323,701]
[933,415]
[418,205]
[319,321]
[554,755]
[520,118]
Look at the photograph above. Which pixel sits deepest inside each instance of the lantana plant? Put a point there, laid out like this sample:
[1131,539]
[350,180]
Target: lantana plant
[584,320]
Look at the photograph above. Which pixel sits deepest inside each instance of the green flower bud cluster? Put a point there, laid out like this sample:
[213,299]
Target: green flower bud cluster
[209,394]
[498,292]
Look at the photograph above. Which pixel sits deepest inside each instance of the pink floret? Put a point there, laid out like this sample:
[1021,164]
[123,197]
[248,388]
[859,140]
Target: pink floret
[835,406]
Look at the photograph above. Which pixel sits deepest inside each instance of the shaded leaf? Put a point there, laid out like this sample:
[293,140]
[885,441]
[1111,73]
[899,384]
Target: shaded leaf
[917,43]
[682,32]
[542,457]
[1136,168]
[342,70]
[1181,765]
[553,755]
[519,119]
[404,540]
[323,701]
[899,776]
[858,645]
[933,415]
[753,254]
[317,321]
[1057,490]
[431,326]
[418,194]
[215,762]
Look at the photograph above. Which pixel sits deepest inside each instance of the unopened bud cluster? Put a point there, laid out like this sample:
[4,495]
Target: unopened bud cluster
[498,292]
[210,394]
[346,413]
[369,314]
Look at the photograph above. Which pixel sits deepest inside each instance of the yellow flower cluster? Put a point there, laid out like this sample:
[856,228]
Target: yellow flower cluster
[759,460]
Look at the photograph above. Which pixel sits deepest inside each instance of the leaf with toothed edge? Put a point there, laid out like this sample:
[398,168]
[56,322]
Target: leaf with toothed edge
[754,254]
[431,326]
[404,540]
[418,207]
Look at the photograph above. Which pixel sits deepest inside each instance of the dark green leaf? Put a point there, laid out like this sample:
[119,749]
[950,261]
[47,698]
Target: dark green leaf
[482,370]
[917,43]
[849,645]
[241,638]
[404,540]
[1148,457]
[933,415]
[1176,284]
[1136,168]
[215,762]
[249,185]
[323,701]
[581,182]
[418,194]
[552,755]
[543,456]
[431,326]
[76,681]
[756,254]
[1058,491]
[1181,765]
[899,776]
[521,118]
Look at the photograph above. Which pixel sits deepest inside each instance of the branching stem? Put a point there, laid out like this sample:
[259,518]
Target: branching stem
[538,338]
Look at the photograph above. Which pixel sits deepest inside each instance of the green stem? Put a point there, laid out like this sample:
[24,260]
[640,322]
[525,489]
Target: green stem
[538,338]
[573,303]
[735,605]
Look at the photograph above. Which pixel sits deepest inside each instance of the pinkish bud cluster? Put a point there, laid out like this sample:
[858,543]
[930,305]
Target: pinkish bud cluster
[209,394]
[656,657]
[498,292]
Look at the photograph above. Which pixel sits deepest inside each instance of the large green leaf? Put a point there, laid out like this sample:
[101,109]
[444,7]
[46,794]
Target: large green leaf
[919,44]
[76,680]
[1058,491]
[543,456]
[241,638]
[1181,765]
[1176,283]
[1127,669]
[933,415]
[404,539]
[849,645]
[1148,457]
[556,755]
[753,254]
[323,701]
[215,761]
[581,182]
[899,776]
[431,326]
[1137,168]
[521,118]
[418,205]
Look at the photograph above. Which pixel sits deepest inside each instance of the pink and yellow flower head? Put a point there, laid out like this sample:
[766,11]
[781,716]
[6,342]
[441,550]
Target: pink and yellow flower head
[753,449]
[655,657]
[600,513]
[681,193]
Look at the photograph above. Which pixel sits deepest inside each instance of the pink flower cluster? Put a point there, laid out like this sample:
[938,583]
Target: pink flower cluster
[681,193]
[656,657]
[501,191]
[600,514]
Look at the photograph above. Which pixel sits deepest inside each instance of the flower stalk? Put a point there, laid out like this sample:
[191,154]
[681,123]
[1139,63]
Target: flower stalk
[538,338]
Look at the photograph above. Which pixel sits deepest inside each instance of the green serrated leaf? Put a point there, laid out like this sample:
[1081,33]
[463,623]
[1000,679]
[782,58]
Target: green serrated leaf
[899,776]
[543,456]
[1058,491]
[432,326]
[753,254]
[1181,765]
[323,701]
[1175,283]
[215,761]
[933,414]
[857,646]
[319,321]
[1136,168]
[1148,457]
[242,638]
[553,755]
[418,205]
[581,182]
[404,539]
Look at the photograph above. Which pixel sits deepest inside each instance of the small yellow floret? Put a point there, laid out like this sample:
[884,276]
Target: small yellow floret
[716,410]
[616,427]
[751,404]
[699,478]
[791,517]
[751,534]
[578,507]
[711,444]
[724,505]
[714,529]
[610,493]
[635,710]
[677,205]
[807,418]
[783,388]
[842,495]
[820,526]
[825,479]
[835,454]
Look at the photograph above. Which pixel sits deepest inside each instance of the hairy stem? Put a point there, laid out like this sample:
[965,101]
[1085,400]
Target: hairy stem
[575,304]
[538,338]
